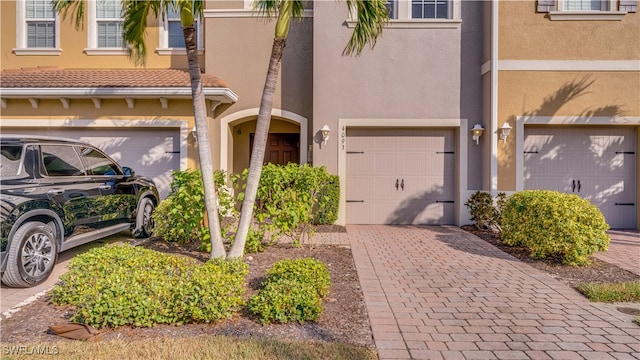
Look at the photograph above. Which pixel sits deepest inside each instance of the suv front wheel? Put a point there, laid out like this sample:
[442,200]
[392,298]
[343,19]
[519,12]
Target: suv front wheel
[144,221]
[31,255]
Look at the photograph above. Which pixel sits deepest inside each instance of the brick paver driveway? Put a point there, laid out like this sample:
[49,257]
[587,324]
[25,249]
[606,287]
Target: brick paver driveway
[442,293]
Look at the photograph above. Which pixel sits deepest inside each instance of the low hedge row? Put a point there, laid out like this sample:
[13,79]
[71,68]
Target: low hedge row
[148,287]
[292,291]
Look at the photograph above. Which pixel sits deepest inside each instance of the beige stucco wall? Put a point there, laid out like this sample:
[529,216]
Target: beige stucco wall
[73,42]
[527,35]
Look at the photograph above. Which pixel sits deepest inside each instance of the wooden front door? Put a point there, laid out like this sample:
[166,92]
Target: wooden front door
[282,148]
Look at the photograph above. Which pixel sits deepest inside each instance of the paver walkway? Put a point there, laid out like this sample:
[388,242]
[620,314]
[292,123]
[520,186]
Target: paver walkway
[442,293]
[624,250]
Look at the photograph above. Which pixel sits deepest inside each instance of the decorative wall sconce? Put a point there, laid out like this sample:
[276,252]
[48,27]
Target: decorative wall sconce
[325,133]
[193,133]
[505,129]
[477,132]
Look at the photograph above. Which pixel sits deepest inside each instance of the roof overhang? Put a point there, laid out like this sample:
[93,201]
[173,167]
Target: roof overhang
[220,95]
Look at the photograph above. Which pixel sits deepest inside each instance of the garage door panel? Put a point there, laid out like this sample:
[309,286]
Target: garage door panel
[420,161]
[151,152]
[596,163]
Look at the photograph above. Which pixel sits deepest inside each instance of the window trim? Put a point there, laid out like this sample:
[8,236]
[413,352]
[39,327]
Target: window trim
[92,35]
[163,39]
[404,20]
[22,35]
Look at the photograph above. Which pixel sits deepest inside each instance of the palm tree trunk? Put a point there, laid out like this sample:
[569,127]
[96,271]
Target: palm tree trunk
[259,145]
[204,144]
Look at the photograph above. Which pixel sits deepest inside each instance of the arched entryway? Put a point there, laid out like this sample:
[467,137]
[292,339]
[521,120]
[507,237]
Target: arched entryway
[287,139]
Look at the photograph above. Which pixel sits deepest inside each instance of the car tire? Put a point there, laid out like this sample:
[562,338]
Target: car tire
[144,221]
[31,256]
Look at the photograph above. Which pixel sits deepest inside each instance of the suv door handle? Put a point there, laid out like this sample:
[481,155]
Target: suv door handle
[55,192]
[105,187]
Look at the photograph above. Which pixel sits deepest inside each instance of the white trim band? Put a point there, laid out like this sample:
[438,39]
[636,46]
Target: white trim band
[569,65]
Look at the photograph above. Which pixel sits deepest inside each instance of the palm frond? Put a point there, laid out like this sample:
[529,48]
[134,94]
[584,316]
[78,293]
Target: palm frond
[134,27]
[75,8]
[371,16]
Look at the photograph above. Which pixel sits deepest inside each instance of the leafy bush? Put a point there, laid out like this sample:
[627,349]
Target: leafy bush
[180,217]
[125,285]
[286,301]
[292,291]
[551,223]
[486,211]
[292,197]
[308,270]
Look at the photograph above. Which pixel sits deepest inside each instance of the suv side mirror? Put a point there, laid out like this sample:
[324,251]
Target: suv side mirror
[128,172]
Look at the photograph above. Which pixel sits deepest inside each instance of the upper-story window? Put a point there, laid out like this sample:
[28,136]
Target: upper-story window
[422,9]
[584,5]
[109,24]
[104,28]
[172,37]
[430,9]
[41,24]
[587,9]
[37,28]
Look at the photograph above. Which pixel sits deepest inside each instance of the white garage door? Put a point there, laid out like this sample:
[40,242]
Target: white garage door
[400,176]
[596,163]
[151,152]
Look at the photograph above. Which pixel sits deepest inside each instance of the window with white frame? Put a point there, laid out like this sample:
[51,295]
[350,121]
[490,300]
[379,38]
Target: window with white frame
[37,28]
[422,9]
[587,9]
[109,24]
[174,30]
[430,9]
[172,37]
[41,24]
[585,5]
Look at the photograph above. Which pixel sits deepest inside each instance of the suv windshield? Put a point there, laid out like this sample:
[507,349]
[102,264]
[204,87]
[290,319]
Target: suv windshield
[10,160]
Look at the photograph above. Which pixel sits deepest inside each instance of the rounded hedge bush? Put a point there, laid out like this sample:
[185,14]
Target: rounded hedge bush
[554,224]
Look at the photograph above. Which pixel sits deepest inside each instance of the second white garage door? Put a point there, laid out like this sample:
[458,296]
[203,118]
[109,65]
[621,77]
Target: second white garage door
[596,163]
[400,176]
[152,152]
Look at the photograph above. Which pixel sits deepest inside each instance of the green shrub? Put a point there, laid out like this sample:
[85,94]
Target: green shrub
[307,270]
[292,291]
[180,217]
[286,301]
[124,285]
[485,210]
[554,224]
[291,198]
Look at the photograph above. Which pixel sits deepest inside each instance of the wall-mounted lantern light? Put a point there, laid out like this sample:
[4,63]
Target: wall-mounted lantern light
[505,129]
[325,133]
[194,133]
[476,132]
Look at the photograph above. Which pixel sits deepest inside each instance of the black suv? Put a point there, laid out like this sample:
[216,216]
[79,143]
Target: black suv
[56,194]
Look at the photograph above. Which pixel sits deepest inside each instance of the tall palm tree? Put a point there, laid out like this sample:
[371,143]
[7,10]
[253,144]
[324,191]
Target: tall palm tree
[135,15]
[371,16]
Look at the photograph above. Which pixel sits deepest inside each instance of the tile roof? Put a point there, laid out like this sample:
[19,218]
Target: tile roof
[55,77]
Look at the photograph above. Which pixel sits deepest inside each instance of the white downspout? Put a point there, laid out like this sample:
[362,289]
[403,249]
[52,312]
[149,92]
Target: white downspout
[494,97]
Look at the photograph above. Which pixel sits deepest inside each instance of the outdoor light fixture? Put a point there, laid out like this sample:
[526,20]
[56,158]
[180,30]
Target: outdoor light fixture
[477,132]
[325,133]
[505,129]
[193,133]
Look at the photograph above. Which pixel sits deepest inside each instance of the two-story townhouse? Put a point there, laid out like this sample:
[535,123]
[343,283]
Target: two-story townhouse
[563,75]
[565,78]
[80,83]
